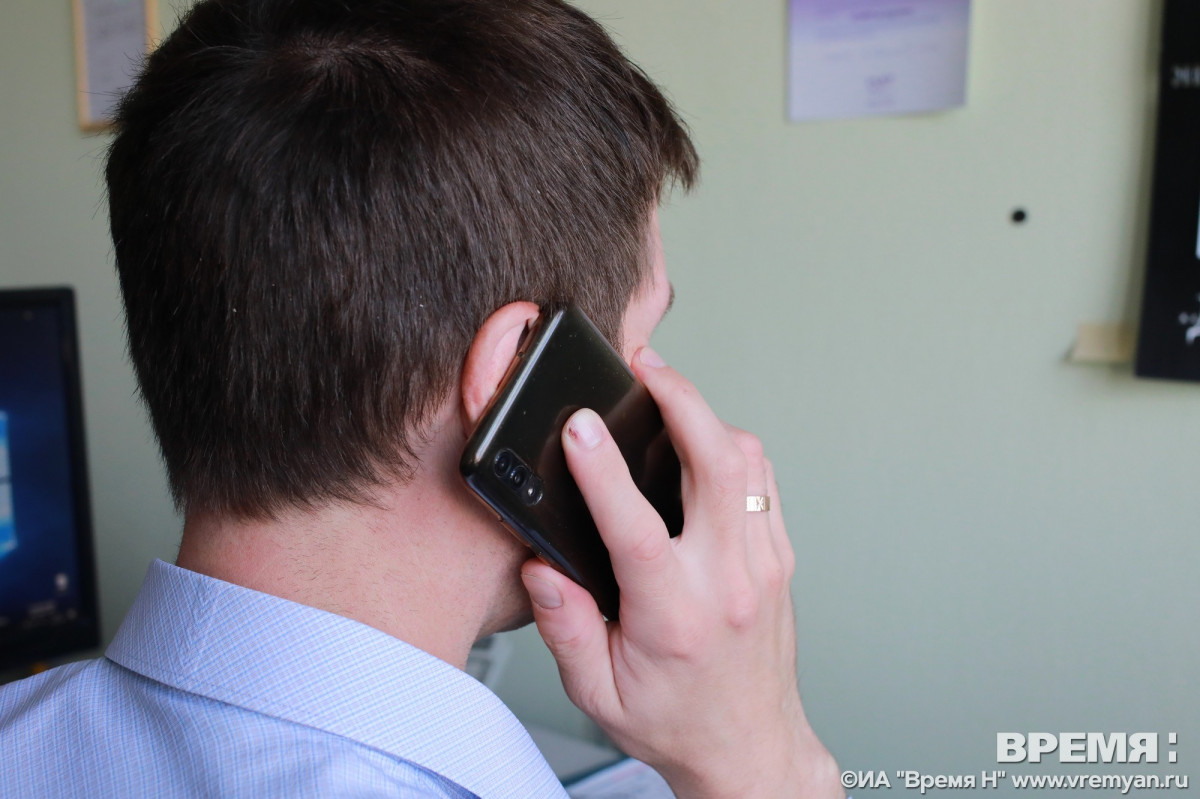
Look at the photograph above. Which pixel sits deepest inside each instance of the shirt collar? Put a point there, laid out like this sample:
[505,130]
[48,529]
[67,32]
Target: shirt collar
[304,665]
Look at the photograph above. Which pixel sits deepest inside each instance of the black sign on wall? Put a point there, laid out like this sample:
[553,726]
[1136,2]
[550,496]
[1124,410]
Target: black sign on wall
[1169,339]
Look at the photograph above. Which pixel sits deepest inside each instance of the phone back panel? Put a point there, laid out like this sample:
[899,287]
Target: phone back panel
[565,365]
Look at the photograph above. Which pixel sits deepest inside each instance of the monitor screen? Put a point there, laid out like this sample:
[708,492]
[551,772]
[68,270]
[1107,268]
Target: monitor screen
[47,573]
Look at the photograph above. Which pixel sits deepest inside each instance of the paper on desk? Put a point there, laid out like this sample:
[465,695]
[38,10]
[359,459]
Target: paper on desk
[628,779]
[851,58]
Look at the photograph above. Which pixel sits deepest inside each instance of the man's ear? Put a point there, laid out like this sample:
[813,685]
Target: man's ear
[491,353]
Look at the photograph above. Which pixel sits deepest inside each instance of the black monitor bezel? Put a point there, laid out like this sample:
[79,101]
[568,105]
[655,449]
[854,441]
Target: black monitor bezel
[26,647]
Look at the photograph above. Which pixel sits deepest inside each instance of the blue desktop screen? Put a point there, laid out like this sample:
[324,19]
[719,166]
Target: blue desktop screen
[39,572]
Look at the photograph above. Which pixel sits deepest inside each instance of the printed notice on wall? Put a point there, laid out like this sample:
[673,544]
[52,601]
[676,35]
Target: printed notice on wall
[111,38]
[854,58]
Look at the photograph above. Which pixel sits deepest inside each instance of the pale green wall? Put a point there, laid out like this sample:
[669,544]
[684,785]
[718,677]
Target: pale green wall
[989,538]
[54,230]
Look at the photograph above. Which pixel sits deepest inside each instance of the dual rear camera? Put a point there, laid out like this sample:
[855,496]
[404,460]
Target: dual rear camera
[517,477]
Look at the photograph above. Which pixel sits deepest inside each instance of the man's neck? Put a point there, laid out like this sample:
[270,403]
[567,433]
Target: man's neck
[422,563]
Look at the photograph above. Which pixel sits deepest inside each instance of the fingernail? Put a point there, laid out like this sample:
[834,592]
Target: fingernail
[543,593]
[651,358]
[585,427]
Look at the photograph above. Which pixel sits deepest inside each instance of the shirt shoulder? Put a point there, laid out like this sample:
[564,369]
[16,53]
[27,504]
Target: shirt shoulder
[96,729]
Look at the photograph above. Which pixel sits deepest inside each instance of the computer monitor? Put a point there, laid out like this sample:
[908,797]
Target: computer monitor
[47,572]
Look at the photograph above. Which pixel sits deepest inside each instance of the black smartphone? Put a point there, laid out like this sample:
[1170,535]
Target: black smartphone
[514,460]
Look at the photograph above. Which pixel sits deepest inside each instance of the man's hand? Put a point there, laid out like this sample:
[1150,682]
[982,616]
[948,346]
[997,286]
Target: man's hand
[698,678]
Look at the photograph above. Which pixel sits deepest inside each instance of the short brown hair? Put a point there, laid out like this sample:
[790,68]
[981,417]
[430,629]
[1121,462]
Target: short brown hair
[316,204]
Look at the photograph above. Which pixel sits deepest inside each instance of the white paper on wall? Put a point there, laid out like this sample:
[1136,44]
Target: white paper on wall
[114,42]
[852,58]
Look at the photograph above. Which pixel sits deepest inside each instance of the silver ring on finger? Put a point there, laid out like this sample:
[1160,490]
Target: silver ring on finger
[758,504]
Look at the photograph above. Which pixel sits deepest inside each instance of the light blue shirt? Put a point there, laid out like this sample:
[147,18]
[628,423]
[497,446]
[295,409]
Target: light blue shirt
[214,690]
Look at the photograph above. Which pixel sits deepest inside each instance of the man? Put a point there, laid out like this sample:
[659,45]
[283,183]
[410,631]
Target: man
[333,222]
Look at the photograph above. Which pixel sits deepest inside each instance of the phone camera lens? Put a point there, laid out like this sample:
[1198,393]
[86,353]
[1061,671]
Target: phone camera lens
[532,492]
[518,476]
[503,463]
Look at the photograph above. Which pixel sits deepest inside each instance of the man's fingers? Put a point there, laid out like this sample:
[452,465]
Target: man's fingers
[571,625]
[783,544]
[713,463]
[752,450]
[761,553]
[637,540]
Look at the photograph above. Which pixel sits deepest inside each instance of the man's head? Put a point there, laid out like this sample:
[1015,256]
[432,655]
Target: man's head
[315,206]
